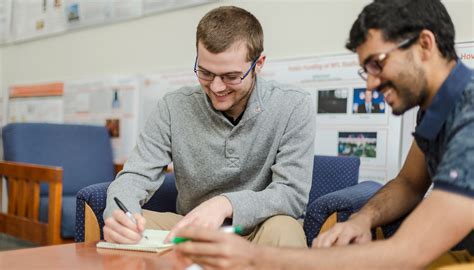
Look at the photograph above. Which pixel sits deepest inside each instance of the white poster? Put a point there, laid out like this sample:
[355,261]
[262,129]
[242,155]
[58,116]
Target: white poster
[32,18]
[350,121]
[84,13]
[154,6]
[40,102]
[125,9]
[465,51]
[111,102]
[36,109]
[5,20]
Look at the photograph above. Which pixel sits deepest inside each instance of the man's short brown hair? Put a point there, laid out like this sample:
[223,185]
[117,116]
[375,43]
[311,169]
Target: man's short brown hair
[221,27]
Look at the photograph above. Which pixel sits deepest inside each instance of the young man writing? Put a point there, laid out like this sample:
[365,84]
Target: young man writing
[242,148]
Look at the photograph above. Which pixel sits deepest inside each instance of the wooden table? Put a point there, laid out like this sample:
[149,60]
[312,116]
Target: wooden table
[86,256]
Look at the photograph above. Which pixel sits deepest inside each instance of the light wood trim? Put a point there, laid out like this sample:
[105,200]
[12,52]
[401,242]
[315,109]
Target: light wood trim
[54,212]
[48,174]
[24,179]
[330,221]
[35,198]
[91,225]
[379,234]
[11,189]
[118,168]
[464,266]
[1,195]
[21,210]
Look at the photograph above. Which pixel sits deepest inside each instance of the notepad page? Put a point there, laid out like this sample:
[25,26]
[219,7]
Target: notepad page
[152,241]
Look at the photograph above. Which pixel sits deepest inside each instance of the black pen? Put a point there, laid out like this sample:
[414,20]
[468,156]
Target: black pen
[125,210]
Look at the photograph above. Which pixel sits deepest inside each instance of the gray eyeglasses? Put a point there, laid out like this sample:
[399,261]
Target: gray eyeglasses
[374,64]
[230,78]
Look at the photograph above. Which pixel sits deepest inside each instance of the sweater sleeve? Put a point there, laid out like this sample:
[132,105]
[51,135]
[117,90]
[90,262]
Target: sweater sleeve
[287,194]
[143,172]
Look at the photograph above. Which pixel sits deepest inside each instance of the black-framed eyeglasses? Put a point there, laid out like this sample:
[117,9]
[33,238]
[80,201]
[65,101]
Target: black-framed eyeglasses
[374,64]
[230,78]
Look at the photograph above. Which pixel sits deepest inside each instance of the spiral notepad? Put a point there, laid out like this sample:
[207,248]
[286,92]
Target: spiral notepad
[152,241]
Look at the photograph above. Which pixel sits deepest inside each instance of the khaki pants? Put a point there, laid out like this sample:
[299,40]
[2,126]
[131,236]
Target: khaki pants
[454,260]
[279,231]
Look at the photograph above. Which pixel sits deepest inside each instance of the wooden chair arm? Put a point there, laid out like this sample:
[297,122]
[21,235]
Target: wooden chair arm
[332,220]
[22,217]
[91,225]
[118,168]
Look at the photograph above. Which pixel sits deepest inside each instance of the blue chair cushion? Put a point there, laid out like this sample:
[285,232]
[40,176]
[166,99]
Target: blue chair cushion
[164,200]
[84,152]
[333,173]
[68,214]
[346,201]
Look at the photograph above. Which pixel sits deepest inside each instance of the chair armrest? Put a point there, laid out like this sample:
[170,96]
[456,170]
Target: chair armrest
[345,202]
[96,197]
[93,199]
[118,167]
[22,218]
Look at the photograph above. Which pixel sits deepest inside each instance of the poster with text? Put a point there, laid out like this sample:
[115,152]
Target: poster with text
[342,125]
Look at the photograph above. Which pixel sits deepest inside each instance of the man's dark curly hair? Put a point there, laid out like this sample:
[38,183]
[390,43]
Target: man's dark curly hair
[401,19]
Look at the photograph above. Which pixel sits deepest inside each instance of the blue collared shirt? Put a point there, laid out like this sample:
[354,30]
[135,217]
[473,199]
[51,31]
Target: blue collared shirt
[445,133]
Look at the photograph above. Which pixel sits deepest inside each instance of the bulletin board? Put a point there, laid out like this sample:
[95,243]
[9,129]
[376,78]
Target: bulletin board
[124,102]
[29,19]
[342,129]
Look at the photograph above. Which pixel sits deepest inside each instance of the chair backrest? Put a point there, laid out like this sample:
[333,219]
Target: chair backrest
[331,173]
[84,152]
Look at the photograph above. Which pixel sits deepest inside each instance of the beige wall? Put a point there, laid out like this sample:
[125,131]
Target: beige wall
[154,43]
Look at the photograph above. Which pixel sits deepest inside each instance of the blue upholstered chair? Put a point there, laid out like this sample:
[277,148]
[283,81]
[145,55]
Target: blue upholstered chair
[83,153]
[91,203]
[331,175]
[335,193]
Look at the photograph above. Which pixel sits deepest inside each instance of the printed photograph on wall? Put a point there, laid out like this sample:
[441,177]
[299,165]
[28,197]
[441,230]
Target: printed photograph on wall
[359,144]
[366,101]
[73,12]
[113,126]
[333,100]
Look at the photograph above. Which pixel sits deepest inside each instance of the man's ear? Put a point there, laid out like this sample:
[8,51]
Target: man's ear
[260,63]
[428,45]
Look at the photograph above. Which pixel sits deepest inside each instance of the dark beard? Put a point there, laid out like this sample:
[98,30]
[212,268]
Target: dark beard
[408,98]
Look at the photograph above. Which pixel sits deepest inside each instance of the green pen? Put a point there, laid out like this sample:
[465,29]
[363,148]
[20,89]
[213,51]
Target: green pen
[225,229]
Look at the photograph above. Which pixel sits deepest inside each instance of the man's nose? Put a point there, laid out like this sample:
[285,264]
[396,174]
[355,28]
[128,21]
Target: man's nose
[217,84]
[373,82]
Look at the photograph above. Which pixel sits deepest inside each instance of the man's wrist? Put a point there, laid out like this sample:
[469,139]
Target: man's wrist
[228,209]
[263,257]
[362,218]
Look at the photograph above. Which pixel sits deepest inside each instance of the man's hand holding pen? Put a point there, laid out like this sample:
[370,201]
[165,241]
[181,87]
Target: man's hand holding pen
[123,227]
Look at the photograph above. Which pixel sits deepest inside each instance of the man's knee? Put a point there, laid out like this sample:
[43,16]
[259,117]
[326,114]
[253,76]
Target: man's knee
[160,221]
[280,231]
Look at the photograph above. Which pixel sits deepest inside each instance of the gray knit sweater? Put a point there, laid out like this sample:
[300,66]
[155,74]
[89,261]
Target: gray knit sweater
[263,165]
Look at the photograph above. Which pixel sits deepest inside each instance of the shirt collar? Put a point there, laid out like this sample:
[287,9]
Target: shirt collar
[254,103]
[443,102]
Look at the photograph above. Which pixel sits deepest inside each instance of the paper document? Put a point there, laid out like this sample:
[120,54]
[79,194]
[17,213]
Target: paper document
[152,241]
